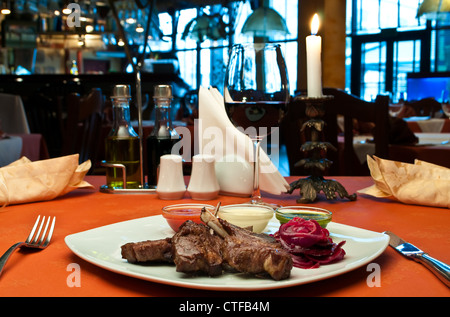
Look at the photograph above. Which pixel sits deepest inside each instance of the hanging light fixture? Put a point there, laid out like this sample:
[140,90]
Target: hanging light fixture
[139,28]
[81,41]
[434,9]
[205,26]
[197,28]
[5,8]
[66,11]
[54,7]
[265,22]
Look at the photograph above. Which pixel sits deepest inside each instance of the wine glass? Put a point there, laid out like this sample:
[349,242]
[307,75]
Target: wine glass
[256,93]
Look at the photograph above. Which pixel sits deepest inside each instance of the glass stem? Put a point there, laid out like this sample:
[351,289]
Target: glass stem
[256,195]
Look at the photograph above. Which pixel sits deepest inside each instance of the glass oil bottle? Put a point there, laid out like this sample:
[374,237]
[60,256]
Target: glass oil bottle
[163,136]
[122,145]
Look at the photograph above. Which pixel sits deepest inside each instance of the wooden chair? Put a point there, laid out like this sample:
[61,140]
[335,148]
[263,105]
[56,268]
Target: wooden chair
[350,107]
[83,125]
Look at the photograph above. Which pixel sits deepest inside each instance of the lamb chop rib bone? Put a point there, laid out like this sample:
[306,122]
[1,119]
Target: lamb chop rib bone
[211,221]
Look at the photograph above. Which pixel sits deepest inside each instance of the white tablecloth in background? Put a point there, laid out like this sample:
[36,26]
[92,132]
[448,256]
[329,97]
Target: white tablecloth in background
[10,150]
[427,124]
[363,146]
[13,118]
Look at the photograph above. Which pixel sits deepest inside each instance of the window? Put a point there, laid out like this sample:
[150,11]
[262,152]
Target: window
[383,48]
[202,63]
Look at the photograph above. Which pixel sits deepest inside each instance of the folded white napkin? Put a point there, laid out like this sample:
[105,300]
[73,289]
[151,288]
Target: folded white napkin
[233,150]
[420,183]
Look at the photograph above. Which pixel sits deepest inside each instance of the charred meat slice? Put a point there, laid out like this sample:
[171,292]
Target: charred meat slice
[250,256]
[145,251]
[195,249]
[248,252]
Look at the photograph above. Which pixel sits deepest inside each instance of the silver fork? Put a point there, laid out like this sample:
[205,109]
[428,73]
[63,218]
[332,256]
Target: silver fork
[33,240]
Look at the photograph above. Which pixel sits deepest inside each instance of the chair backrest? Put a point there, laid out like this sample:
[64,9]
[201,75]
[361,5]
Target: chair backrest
[352,107]
[13,118]
[83,125]
[348,106]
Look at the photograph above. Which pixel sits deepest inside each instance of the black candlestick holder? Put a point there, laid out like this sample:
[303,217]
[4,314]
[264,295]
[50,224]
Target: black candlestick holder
[315,161]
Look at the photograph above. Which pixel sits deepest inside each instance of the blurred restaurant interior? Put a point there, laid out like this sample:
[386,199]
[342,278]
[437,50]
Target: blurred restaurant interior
[52,62]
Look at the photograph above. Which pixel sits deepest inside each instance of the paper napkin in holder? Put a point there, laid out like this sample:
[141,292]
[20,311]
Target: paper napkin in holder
[421,183]
[232,150]
[24,181]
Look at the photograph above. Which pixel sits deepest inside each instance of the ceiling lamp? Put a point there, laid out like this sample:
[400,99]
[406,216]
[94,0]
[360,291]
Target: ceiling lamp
[5,8]
[139,28]
[265,22]
[433,9]
[81,42]
[205,27]
[66,11]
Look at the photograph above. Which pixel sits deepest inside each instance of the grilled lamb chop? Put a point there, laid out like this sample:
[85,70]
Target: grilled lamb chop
[195,249]
[248,252]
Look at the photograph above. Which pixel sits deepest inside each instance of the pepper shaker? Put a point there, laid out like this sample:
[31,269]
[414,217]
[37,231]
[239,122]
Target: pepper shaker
[203,184]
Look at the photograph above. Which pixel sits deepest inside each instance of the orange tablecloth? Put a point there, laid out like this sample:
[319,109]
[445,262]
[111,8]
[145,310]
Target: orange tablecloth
[45,273]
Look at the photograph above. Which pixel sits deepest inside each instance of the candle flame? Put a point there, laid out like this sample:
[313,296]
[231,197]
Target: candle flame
[315,24]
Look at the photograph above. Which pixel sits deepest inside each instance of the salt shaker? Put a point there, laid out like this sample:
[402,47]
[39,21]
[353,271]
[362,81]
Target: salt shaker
[170,177]
[203,184]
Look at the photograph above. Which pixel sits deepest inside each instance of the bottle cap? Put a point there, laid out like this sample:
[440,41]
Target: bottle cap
[121,91]
[162,91]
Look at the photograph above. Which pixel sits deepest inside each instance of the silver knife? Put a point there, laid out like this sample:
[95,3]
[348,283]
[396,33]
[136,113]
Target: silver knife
[440,269]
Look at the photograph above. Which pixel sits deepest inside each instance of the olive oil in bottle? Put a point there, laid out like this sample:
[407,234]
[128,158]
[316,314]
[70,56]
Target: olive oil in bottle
[122,145]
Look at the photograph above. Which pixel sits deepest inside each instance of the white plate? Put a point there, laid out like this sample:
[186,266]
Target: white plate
[101,246]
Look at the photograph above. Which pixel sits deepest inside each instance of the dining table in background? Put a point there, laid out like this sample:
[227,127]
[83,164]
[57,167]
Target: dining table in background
[31,145]
[10,149]
[48,272]
[431,147]
[13,117]
[428,125]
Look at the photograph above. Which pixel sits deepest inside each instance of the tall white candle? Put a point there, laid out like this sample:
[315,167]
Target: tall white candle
[313,60]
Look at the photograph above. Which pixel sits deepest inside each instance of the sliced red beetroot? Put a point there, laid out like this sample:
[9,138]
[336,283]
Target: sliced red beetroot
[309,244]
[303,233]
